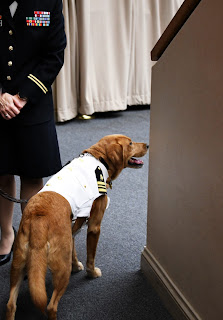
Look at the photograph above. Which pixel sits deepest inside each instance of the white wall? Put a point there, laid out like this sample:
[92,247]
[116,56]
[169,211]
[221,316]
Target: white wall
[184,255]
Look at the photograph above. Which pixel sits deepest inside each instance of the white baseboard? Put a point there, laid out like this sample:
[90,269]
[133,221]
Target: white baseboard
[171,296]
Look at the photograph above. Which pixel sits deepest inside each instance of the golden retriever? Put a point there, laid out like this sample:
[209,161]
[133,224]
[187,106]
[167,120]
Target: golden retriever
[44,237]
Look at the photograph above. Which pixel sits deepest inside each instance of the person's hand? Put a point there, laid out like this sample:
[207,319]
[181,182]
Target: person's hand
[8,109]
[19,103]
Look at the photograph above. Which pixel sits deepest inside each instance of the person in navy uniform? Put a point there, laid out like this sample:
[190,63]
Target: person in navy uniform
[32,43]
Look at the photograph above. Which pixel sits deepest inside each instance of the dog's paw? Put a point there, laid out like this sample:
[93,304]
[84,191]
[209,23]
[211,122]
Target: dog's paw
[96,273]
[78,267]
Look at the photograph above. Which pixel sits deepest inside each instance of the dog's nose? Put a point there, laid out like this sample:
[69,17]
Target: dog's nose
[147,146]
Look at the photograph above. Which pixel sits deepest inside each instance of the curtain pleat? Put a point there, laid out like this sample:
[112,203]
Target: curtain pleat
[107,60]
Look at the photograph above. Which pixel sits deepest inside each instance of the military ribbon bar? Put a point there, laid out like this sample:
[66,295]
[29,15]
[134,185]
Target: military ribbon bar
[40,19]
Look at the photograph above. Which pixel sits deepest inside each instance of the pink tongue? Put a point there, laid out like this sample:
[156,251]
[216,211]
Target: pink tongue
[135,161]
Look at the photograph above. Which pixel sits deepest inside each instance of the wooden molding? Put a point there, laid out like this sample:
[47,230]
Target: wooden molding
[174,27]
[171,296]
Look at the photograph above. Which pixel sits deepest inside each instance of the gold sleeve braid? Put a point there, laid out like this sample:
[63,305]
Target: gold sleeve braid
[38,83]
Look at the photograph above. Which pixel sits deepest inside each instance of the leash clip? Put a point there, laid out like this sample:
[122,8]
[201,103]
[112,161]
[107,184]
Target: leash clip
[110,184]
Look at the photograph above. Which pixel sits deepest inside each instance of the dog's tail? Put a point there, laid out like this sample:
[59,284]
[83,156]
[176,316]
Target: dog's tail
[37,261]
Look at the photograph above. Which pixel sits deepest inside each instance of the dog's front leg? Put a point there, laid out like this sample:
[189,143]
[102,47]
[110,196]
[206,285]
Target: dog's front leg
[76,265]
[94,225]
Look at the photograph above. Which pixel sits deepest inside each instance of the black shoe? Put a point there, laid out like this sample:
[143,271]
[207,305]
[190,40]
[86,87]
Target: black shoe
[5,258]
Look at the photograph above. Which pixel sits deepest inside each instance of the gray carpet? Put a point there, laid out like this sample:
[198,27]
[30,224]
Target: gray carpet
[122,292]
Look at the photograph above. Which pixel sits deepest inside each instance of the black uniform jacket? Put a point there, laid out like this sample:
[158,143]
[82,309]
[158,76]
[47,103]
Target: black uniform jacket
[32,47]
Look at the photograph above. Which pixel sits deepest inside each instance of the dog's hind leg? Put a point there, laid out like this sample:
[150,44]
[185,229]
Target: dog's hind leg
[60,264]
[60,281]
[17,275]
[93,233]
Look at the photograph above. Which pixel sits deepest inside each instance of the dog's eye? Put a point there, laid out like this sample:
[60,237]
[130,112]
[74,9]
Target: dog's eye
[130,143]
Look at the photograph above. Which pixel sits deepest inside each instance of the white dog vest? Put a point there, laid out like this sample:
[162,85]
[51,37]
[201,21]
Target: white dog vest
[80,182]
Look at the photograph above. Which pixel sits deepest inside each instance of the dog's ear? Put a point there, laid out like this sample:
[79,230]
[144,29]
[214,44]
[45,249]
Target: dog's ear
[114,154]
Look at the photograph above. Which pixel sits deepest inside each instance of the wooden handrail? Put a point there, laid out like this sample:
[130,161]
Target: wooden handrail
[174,27]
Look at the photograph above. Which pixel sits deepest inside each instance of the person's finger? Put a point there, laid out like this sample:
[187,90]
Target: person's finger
[8,110]
[18,102]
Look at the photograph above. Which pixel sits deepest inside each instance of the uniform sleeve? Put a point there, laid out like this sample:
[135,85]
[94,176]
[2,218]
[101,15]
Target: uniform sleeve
[41,78]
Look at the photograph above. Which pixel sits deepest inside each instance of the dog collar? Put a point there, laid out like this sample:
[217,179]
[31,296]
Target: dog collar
[104,163]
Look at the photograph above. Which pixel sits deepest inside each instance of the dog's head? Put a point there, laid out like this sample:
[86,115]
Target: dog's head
[119,152]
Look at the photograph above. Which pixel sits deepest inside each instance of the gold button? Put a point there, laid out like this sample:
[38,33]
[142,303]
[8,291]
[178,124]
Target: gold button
[9,78]
[10,63]
[10,32]
[10,48]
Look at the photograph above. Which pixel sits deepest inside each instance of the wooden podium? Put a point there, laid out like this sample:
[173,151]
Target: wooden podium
[183,257]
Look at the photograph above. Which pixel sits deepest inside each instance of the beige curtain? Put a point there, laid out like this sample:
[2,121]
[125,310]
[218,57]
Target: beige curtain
[107,59]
